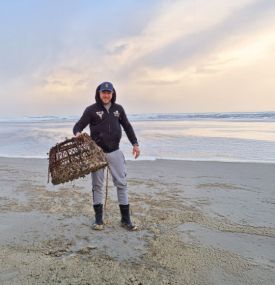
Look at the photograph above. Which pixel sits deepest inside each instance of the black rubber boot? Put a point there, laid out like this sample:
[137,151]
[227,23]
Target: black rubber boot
[125,218]
[98,225]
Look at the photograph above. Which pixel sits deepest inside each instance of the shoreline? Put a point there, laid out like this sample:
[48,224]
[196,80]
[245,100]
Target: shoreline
[158,159]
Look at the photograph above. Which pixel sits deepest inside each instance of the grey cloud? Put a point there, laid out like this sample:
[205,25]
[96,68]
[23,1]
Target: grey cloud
[31,42]
[117,49]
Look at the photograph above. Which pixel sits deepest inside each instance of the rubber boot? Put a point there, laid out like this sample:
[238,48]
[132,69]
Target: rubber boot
[125,218]
[98,225]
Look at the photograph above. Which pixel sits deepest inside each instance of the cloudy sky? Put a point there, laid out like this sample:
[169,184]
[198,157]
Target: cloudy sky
[162,56]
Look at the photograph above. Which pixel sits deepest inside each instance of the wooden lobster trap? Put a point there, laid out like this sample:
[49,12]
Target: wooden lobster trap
[75,158]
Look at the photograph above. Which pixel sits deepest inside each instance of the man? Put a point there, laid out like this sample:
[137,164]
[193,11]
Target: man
[105,119]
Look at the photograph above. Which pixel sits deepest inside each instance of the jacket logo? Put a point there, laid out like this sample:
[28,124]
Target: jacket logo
[100,114]
[116,113]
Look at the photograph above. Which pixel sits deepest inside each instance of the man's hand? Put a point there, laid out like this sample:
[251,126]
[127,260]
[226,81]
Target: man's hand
[78,134]
[136,151]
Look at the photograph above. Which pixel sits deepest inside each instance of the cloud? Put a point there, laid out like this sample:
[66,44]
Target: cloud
[180,48]
[231,29]
[183,36]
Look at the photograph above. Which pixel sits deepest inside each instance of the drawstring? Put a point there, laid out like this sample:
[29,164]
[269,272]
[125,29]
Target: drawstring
[106,190]
[48,174]
[106,197]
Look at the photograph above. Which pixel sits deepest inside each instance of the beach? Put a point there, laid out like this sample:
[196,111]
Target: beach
[201,222]
[183,93]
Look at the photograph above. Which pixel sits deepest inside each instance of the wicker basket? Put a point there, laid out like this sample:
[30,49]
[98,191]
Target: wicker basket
[74,158]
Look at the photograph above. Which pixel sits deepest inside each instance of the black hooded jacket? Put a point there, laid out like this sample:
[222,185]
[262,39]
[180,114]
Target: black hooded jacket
[105,127]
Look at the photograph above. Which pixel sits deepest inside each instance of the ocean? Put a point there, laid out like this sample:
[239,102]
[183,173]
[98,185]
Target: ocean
[238,137]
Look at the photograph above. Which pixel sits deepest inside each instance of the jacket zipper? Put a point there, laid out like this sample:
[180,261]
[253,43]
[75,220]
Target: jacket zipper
[108,114]
[109,121]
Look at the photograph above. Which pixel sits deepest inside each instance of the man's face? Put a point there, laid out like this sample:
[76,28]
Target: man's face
[105,96]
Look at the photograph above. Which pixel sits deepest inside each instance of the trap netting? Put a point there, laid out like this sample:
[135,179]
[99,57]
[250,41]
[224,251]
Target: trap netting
[75,158]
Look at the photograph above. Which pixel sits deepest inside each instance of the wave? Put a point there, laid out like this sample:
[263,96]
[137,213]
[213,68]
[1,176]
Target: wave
[232,116]
[148,158]
[228,116]
[38,119]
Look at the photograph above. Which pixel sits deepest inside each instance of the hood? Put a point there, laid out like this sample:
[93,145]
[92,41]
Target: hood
[97,99]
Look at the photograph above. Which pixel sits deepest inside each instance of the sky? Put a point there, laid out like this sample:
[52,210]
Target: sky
[162,56]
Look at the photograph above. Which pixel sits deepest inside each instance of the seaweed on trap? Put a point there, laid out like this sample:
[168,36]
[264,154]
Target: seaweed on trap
[75,158]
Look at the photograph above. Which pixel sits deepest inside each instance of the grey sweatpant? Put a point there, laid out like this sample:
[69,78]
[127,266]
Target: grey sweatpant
[117,169]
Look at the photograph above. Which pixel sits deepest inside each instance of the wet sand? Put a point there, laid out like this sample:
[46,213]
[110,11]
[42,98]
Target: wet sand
[200,223]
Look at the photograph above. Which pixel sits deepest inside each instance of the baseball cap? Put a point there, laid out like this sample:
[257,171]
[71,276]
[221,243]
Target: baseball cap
[106,86]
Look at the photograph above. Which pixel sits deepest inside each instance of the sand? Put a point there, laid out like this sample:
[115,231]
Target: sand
[200,223]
